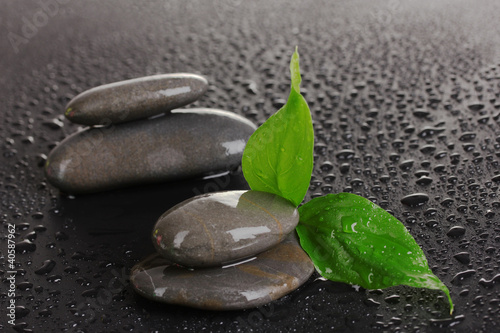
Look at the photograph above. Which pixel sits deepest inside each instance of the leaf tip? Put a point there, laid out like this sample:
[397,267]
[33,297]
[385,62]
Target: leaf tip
[448,295]
[295,70]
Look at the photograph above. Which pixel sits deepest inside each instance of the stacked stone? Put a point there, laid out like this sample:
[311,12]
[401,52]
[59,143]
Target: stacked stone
[219,251]
[130,142]
[224,251]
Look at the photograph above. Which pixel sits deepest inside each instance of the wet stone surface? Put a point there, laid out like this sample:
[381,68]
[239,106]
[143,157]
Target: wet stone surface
[223,227]
[256,282]
[135,99]
[186,143]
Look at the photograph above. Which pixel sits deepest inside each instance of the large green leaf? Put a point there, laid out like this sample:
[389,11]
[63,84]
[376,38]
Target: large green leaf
[278,157]
[352,240]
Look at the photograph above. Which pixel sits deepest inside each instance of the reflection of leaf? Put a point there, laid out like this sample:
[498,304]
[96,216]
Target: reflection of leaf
[352,240]
[278,157]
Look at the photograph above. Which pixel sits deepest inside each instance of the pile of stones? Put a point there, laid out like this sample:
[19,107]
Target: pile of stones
[219,251]
[224,251]
[137,137]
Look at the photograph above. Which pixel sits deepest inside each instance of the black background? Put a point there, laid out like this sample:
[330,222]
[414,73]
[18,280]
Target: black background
[367,66]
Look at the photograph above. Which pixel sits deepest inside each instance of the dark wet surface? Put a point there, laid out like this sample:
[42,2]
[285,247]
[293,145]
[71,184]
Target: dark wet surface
[405,99]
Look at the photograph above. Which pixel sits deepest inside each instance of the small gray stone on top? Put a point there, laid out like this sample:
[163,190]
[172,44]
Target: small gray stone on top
[135,99]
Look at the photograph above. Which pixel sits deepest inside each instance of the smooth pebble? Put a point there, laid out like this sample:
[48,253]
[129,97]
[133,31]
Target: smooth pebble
[135,99]
[222,227]
[252,283]
[185,144]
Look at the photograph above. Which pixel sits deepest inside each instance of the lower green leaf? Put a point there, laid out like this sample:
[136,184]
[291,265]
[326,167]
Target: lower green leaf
[352,240]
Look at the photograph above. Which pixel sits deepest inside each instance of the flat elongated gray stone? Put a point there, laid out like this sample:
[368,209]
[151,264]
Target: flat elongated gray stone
[187,143]
[135,99]
[267,277]
[223,227]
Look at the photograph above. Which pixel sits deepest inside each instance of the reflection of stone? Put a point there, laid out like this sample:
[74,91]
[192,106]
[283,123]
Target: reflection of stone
[135,99]
[183,144]
[251,283]
[223,227]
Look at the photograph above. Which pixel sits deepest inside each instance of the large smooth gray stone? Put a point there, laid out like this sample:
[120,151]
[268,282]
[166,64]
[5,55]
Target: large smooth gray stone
[219,228]
[187,143]
[271,275]
[135,99]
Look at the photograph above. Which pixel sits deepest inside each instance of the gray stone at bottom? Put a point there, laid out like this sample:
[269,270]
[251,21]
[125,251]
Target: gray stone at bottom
[271,275]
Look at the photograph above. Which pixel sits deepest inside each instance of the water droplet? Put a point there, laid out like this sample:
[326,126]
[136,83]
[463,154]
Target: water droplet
[456,231]
[462,257]
[392,299]
[47,267]
[349,224]
[415,200]
[25,246]
[462,275]
[467,136]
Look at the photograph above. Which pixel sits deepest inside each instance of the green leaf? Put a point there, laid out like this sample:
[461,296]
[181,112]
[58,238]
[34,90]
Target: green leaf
[278,157]
[352,240]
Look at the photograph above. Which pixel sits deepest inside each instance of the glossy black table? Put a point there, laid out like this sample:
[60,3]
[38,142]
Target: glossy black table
[405,99]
